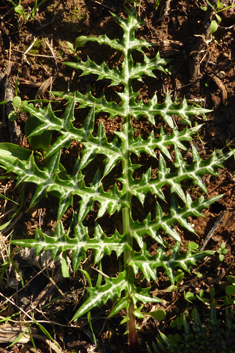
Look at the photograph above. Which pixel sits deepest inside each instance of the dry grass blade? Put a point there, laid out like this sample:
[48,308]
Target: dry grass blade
[44,86]
[9,334]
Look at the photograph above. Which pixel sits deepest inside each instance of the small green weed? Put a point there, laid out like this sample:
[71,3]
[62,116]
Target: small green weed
[216,10]
[30,12]
[222,251]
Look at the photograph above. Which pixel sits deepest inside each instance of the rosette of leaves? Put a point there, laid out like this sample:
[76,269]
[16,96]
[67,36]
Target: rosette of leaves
[167,148]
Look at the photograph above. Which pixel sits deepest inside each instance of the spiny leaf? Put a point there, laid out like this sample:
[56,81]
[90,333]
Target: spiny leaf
[50,180]
[142,295]
[82,40]
[88,100]
[147,67]
[166,223]
[198,168]
[79,242]
[148,264]
[102,71]
[176,138]
[166,110]
[98,296]
[93,144]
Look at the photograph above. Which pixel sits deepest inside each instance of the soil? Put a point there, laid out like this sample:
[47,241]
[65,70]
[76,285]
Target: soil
[202,71]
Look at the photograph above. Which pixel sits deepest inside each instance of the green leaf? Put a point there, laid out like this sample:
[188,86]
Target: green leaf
[179,275]
[102,71]
[12,116]
[64,267]
[218,18]
[6,198]
[142,295]
[166,341]
[230,279]
[230,290]
[71,47]
[221,257]
[158,314]
[228,301]
[148,264]
[99,296]
[214,26]
[79,243]
[42,140]
[192,245]
[10,153]
[189,297]
[19,10]
[122,303]
[82,40]
[16,101]
[197,323]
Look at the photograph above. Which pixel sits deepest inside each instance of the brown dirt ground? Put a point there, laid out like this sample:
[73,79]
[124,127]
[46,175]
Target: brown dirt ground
[202,71]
